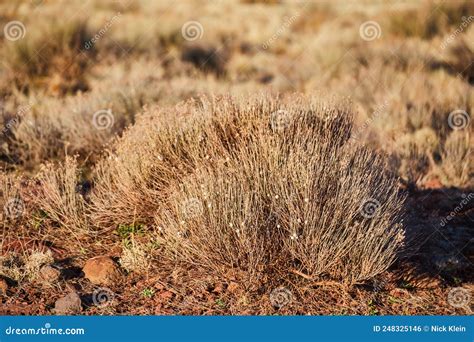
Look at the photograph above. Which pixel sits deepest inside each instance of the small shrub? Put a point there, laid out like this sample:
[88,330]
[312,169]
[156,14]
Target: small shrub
[58,196]
[148,293]
[53,58]
[457,167]
[24,267]
[135,257]
[126,230]
[412,161]
[11,204]
[461,61]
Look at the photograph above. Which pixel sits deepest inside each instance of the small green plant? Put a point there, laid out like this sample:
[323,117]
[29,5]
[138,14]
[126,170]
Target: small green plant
[148,293]
[126,230]
[221,304]
[393,300]
[373,311]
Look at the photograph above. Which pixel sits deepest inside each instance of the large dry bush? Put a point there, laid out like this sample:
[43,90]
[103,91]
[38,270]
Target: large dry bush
[262,188]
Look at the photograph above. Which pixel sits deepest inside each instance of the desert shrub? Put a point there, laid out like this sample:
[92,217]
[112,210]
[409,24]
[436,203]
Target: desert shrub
[52,128]
[136,257]
[430,19]
[51,57]
[24,267]
[412,160]
[460,61]
[59,195]
[456,167]
[12,206]
[265,187]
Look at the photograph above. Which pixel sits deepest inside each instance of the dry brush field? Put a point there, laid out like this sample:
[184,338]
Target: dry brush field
[224,157]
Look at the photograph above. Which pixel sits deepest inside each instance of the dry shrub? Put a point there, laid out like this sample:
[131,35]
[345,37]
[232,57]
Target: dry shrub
[429,151]
[24,267]
[261,187]
[461,61]
[60,197]
[413,153]
[52,57]
[135,257]
[52,128]
[431,19]
[457,166]
[412,161]
[12,206]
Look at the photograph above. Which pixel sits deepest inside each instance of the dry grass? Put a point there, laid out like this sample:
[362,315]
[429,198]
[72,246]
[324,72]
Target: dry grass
[60,197]
[456,167]
[431,19]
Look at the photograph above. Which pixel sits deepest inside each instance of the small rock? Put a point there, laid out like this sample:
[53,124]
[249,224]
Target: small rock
[49,273]
[3,287]
[101,270]
[69,304]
